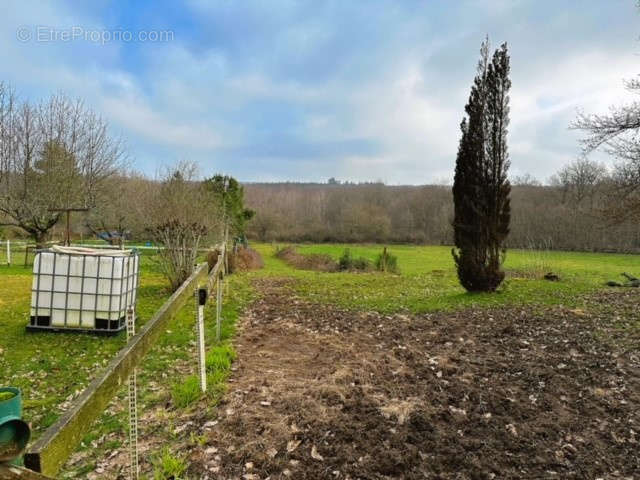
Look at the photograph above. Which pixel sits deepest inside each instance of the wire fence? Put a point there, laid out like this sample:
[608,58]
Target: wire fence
[22,253]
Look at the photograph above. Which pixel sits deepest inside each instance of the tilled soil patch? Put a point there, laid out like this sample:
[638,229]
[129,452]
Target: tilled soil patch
[320,393]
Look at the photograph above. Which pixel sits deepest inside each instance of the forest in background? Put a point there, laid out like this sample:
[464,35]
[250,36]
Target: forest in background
[565,215]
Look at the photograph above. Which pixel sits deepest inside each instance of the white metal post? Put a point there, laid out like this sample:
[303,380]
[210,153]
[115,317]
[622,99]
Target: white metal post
[226,269]
[8,252]
[201,298]
[218,307]
[134,470]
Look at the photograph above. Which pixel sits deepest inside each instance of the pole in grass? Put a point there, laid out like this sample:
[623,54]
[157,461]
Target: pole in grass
[134,470]
[8,252]
[201,297]
[67,237]
[218,306]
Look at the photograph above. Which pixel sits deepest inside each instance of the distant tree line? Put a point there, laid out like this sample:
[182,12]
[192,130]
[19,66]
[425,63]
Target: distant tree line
[568,213]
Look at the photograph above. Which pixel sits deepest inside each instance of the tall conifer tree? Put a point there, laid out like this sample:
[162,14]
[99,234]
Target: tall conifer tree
[481,188]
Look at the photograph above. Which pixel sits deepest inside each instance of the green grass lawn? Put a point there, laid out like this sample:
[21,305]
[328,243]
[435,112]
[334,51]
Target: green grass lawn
[52,369]
[427,279]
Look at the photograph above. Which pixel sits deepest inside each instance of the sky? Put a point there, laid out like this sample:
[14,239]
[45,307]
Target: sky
[359,90]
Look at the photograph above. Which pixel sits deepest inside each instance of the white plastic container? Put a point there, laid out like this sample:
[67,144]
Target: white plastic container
[79,288]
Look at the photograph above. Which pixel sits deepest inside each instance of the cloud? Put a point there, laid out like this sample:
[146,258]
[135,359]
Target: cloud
[290,90]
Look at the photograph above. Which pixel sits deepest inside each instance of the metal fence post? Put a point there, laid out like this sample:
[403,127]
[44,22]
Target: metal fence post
[201,299]
[218,306]
[8,252]
[134,470]
[226,268]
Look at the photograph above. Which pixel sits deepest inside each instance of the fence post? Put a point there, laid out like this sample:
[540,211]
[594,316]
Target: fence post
[134,469]
[8,252]
[218,306]
[201,299]
[226,267]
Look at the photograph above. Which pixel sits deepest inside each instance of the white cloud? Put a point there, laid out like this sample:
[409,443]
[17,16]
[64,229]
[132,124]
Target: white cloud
[137,117]
[183,100]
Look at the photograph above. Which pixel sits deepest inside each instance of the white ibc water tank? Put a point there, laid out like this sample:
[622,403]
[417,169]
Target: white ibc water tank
[83,288]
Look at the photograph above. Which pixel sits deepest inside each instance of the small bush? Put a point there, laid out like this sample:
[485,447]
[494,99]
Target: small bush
[212,258]
[386,262]
[361,264]
[166,465]
[347,262]
[185,393]
[244,259]
[180,240]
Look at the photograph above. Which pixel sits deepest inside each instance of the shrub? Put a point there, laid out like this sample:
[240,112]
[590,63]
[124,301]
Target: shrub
[180,241]
[166,465]
[347,262]
[243,259]
[361,264]
[212,258]
[386,262]
[183,215]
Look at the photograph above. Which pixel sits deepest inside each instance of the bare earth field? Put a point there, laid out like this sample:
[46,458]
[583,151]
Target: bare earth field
[318,392]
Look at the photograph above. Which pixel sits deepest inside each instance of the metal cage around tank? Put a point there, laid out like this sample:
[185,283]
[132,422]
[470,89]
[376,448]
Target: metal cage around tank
[79,289]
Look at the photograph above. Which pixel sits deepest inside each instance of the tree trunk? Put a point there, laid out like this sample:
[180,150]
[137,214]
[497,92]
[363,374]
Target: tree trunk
[40,238]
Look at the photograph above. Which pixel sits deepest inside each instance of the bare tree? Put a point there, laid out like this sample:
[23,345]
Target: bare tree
[525,180]
[581,180]
[58,154]
[122,207]
[618,133]
[182,216]
[8,127]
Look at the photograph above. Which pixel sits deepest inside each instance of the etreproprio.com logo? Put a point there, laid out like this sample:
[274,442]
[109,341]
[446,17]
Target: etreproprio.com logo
[48,34]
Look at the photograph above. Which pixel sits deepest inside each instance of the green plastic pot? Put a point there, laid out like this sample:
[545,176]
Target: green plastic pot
[14,432]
